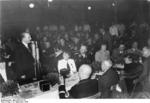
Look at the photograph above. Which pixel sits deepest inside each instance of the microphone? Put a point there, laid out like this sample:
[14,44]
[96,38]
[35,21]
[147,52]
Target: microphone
[33,46]
[32,41]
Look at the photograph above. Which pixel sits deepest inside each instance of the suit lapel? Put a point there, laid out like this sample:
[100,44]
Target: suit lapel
[27,49]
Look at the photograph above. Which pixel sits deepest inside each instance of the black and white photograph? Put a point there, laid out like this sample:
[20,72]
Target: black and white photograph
[74,49]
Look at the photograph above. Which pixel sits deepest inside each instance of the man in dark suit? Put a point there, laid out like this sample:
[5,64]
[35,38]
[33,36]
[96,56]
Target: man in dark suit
[144,78]
[107,79]
[85,88]
[24,61]
[83,57]
[132,71]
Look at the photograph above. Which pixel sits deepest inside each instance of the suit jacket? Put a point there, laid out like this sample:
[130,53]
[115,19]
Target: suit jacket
[133,70]
[145,76]
[101,56]
[117,57]
[79,59]
[84,88]
[108,79]
[24,62]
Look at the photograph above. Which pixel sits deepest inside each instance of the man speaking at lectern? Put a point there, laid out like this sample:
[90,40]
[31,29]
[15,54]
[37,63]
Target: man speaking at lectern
[24,61]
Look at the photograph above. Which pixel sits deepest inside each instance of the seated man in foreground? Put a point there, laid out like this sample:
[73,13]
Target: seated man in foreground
[85,88]
[108,78]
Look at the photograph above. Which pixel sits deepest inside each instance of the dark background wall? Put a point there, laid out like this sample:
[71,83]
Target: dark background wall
[16,14]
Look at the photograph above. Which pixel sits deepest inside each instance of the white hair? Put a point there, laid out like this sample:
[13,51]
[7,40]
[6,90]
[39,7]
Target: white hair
[146,52]
[106,65]
[85,71]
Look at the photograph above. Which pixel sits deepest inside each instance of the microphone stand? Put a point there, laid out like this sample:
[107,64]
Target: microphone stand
[37,58]
[34,53]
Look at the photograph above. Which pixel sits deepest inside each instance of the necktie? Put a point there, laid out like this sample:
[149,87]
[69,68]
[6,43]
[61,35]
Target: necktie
[29,48]
[68,67]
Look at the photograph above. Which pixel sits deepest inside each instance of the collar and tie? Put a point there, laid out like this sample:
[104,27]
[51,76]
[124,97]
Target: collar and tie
[68,66]
[27,46]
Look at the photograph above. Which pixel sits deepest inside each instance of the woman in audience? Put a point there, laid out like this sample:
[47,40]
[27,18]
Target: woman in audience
[66,64]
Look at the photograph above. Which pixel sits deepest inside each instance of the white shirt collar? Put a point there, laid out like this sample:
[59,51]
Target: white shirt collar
[25,44]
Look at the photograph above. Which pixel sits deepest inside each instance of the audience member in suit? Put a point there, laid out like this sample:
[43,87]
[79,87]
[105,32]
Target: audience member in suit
[107,79]
[24,61]
[133,70]
[86,87]
[83,57]
[118,54]
[106,38]
[144,78]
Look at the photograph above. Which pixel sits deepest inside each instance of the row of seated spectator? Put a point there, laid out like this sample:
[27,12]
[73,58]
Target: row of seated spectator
[84,47]
[107,82]
[91,86]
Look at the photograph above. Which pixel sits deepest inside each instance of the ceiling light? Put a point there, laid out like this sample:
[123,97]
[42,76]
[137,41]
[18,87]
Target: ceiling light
[31,5]
[89,7]
[50,0]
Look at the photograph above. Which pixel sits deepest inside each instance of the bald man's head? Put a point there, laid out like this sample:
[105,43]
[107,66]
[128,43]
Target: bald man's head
[105,65]
[85,71]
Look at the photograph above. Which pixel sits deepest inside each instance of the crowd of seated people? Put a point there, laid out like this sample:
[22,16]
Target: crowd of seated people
[60,46]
